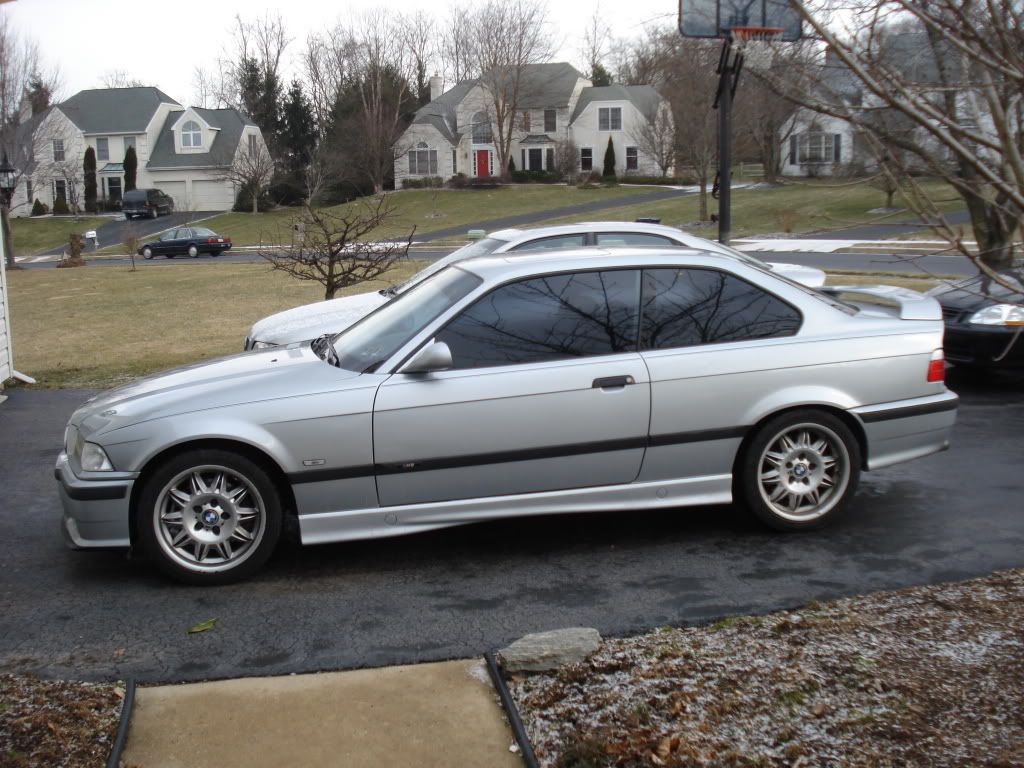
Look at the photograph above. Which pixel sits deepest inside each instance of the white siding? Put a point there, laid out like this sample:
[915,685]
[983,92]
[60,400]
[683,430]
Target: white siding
[5,322]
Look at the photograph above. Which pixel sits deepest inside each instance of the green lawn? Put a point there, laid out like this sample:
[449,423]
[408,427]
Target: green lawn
[41,234]
[429,210]
[99,326]
[796,207]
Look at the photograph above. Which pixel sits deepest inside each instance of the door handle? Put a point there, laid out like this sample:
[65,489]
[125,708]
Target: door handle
[610,382]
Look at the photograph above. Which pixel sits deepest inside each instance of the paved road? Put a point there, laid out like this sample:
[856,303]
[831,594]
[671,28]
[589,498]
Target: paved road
[458,592]
[116,230]
[885,229]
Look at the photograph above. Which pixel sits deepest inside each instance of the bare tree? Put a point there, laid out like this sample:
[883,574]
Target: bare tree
[252,170]
[119,78]
[954,70]
[507,37]
[458,53]
[419,33]
[331,249]
[325,63]
[597,40]
[655,136]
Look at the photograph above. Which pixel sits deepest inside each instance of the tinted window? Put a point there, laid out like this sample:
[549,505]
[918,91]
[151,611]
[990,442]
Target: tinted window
[685,307]
[171,234]
[632,238]
[203,232]
[559,316]
[561,241]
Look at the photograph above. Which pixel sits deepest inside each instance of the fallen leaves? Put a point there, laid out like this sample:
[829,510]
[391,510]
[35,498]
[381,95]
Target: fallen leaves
[202,626]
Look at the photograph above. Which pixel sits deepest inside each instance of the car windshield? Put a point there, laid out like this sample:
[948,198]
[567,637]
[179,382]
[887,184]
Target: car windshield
[376,337]
[480,247]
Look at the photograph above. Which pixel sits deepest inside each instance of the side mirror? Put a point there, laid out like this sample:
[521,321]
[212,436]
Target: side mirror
[434,357]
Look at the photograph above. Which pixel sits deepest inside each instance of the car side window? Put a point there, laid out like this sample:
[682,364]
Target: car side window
[185,234]
[559,241]
[687,306]
[632,238]
[548,318]
[171,234]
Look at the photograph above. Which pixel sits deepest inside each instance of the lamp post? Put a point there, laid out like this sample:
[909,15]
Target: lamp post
[8,178]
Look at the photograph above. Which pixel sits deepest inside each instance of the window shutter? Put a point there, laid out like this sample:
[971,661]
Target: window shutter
[837,143]
[792,150]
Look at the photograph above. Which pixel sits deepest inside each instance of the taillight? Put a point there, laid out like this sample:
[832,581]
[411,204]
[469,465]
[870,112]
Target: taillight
[937,366]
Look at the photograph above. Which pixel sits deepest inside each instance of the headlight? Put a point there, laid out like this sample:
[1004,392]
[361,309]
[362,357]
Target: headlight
[999,314]
[94,459]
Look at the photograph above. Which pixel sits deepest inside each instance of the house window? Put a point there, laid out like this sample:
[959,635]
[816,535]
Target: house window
[526,121]
[632,159]
[114,188]
[549,158]
[253,148]
[191,136]
[129,141]
[481,128]
[815,148]
[609,119]
[549,120]
[586,159]
[422,160]
[58,150]
[103,148]
[60,190]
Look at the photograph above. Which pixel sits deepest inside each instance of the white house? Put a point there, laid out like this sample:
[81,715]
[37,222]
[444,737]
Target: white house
[455,132]
[185,151]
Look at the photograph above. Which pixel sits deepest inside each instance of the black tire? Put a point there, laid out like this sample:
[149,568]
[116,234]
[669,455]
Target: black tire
[256,489]
[154,213]
[795,489]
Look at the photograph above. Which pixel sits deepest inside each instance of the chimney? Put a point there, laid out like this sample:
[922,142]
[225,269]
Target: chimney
[435,87]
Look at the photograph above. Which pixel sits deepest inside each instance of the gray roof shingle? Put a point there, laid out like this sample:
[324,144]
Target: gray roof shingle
[221,152]
[114,110]
[643,97]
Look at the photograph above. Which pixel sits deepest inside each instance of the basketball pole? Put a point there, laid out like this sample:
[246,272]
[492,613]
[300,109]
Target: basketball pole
[725,148]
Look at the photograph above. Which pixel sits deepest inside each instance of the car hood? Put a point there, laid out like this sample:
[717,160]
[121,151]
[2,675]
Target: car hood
[234,380]
[312,320]
[977,292]
[812,277]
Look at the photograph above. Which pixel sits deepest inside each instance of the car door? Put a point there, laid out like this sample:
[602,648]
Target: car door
[547,392]
[164,246]
[714,344]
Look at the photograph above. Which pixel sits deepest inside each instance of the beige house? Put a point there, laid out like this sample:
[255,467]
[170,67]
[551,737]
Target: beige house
[455,132]
[185,151]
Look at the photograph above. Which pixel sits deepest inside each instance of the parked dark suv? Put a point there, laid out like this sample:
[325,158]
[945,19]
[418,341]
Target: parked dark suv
[146,202]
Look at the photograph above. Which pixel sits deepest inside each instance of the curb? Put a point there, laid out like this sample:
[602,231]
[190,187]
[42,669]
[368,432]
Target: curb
[122,727]
[525,748]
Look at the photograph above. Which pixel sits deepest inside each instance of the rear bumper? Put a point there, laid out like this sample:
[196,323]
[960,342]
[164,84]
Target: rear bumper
[907,429]
[96,512]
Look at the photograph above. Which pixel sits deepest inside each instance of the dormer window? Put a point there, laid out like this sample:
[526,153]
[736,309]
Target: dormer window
[191,135]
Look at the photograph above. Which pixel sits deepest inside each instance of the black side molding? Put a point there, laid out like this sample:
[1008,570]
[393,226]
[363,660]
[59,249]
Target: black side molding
[908,411]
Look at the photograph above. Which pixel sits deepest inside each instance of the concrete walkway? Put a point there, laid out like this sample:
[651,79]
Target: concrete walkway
[425,715]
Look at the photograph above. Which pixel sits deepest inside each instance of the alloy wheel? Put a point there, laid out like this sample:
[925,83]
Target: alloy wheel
[803,472]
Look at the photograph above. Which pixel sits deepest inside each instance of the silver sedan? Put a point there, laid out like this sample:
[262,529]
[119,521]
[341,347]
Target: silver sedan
[590,380]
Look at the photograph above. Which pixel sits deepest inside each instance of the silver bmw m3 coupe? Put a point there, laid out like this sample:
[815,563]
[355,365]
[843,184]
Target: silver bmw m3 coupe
[598,379]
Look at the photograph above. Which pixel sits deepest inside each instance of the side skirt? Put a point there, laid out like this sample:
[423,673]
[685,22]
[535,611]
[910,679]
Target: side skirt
[351,525]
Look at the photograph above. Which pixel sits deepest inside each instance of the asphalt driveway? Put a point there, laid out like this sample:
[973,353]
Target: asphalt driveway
[116,230]
[455,593]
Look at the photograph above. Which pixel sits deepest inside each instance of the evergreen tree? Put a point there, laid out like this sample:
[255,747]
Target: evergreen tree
[609,160]
[511,164]
[298,131]
[38,94]
[260,96]
[599,76]
[89,170]
[131,167]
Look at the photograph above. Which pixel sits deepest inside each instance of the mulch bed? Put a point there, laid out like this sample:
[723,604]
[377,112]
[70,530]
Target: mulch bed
[929,676]
[56,723]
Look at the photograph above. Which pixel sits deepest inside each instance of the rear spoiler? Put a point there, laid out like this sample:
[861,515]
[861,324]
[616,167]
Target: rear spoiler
[912,305]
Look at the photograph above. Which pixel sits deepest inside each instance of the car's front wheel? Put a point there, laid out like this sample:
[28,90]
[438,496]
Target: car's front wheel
[799,470]
[153,212]
[209,517]
[147,253]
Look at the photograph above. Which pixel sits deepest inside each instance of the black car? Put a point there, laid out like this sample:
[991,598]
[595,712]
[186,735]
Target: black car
[984,320]
[146,202]
[186,241]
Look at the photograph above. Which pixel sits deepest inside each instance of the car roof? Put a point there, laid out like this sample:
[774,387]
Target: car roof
[587,226]
[501,266]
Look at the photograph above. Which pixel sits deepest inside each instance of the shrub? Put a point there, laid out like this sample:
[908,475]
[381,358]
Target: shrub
[425,182]
[512,165]
[39,208]
[680,180]
[609,160]
[89,175]
[243,203]
[458,181]
[536,177]
[60,207]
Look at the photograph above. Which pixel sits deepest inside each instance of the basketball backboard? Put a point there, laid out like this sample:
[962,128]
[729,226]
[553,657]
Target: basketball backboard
[714,18]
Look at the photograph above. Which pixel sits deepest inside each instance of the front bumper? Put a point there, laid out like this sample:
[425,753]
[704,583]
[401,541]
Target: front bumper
[990,346]
[96,512]
[907,429]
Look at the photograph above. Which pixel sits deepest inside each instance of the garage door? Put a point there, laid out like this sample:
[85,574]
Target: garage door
[175,189]
[212,195]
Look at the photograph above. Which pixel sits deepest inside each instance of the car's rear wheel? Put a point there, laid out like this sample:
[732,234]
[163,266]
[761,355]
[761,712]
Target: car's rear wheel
[147,253]
[799,470]
[209,517]
[193,251]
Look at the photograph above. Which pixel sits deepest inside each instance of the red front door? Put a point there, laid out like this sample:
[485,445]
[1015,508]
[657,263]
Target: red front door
[483,162]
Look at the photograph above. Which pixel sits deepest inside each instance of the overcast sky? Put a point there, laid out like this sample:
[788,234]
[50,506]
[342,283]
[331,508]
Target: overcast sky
[162,43]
